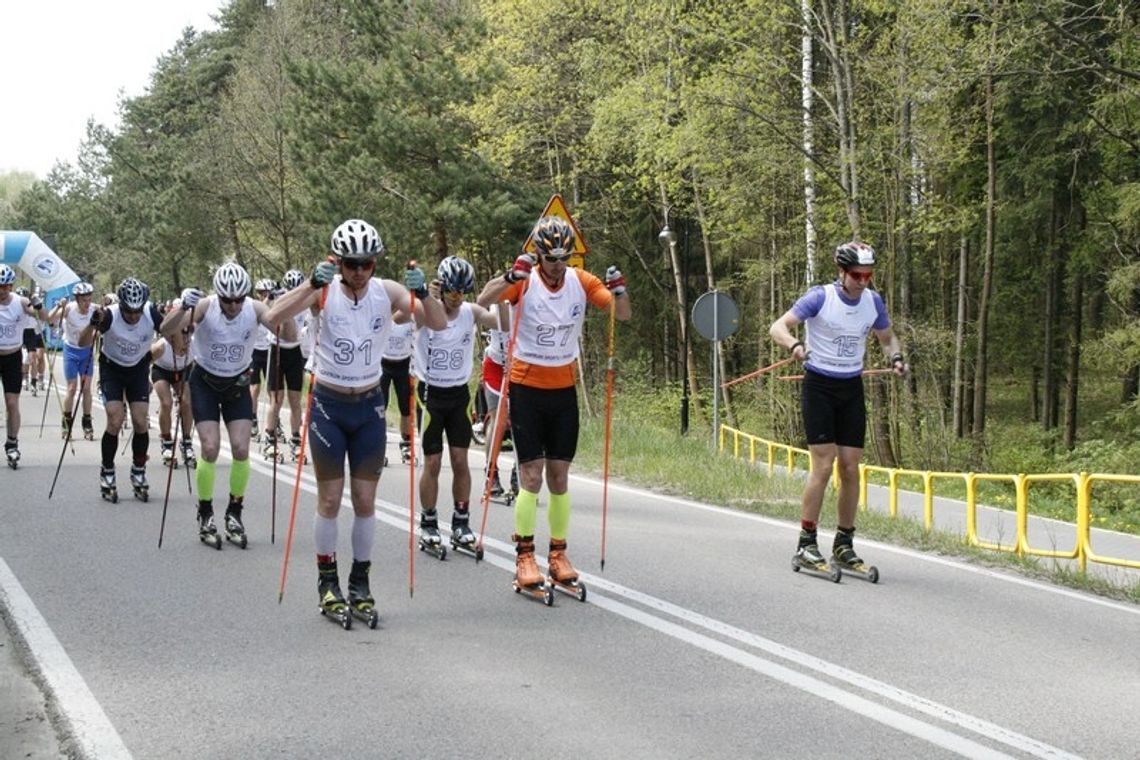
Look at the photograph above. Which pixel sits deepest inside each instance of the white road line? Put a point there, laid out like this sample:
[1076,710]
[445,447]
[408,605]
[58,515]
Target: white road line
[88,725]
[395,515]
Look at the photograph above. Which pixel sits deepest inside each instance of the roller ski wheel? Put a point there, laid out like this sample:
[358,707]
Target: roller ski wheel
[435,548]
[333,606]
[208,531]
[542,591]
[846,558]
[463,540]
[365,613]
[430,540]
[472,549]
[574,588]
[235,532]
[822,568]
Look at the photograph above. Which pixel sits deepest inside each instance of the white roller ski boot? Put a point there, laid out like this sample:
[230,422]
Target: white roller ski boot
[107,488]
[332,602]
[563,576]
[807,557]
[528,578]
[12,453]
[843,554]
[207,529]
[138,482]
[360,599]
[405,451]
[430,540]
[270,450]
[168,458]
[235,531]
[88,428]
[188,457]
[462,539]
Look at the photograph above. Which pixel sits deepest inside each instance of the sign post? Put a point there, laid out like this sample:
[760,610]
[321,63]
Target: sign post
[715,317]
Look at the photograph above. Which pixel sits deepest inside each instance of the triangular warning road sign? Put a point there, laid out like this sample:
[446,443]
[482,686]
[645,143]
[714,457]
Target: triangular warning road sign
[555,207]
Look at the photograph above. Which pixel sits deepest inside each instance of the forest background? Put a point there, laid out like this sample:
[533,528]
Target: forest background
[989,151]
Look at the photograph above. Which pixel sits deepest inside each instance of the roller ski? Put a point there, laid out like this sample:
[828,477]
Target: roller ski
[88,428]
[188,457]
[405,452]
[843,555]
[12,453]
[332,604]
[807,557]
[527,578]
[107,488]
[563,576]
[430,540]
[254,433]
[295,449]
[169,460]
[66,427]
[271,451]
[139,485]
[462,539]
[360,600]
[235,531]
[207,528]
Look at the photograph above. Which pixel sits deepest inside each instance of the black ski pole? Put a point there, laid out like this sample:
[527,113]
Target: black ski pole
[174,454]
[67,440]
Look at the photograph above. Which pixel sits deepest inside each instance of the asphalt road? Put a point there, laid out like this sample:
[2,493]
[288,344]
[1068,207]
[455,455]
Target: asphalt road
[696,641]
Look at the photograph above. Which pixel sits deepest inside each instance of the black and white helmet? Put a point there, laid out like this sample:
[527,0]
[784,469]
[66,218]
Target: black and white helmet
[232,281]
[294,278]
[356,239]
[456,274]
[7,274]
[133,294]
[82,289]
[854,254]
[265,285]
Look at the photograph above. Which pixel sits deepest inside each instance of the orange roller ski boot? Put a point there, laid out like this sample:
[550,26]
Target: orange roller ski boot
[527,576]
[563,576]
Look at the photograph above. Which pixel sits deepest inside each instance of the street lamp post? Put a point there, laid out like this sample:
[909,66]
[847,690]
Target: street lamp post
[668,239]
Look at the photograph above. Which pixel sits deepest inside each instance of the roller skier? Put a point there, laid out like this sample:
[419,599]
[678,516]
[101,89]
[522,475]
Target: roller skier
[285,377]
[395,364]
[171,363]
[543,401]
[353,316]
[78,359]
[837,319]
[14,309]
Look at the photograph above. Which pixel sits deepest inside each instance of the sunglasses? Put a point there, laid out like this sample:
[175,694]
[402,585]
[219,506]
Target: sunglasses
[366,266]
[553,258]
[231,301]
[132,312]
[860,276]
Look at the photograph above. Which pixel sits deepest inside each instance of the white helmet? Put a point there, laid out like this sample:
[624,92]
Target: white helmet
[231,281]
[82,289]
[7,275]
[267,285]
[294,278]
[356,239]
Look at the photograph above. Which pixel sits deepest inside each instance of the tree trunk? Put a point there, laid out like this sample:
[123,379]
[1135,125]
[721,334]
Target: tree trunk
[1131,385]
[959,393]
[806,95]
[1048,359]
[710,275]
[981,368]
[1074,371]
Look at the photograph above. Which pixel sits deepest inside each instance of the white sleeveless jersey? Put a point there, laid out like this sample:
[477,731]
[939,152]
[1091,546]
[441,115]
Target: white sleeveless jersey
[224,347]
[74,323]
[166,361]
[444,357]
[837,335]
[12,324]
[496,349]
[299,319]
[29,322]
[551,322]
[351,336]
[125,344]
[264,338]
[399,346]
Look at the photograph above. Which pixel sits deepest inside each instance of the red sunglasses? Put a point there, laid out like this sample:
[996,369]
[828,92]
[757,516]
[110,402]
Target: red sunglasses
[860,276]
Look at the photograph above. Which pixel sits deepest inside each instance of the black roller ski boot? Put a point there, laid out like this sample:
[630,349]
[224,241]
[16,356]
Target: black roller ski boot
[188,457]
[295,447]
[332,602]
[528,578]
[462,539]
[88,428]
[843,554]
[254,433]
[12,453]
[270,449]
[138,482]
[360,599]
[207,529]
[807,557]
[107,488]
[235,531]
[405,451]
[65,426]
[563,576]
[430,540]
[33,386]
[168,458]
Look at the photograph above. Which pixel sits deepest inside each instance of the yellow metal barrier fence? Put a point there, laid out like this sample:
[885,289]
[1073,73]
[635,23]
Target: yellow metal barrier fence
[1081,551]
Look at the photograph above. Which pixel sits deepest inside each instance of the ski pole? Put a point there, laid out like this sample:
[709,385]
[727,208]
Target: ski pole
[273,498]
[174,455]
[47,391]
[500,421]
[301,453]
[757,373]
[609,429]
[412,463]
[74,411]
[881,371]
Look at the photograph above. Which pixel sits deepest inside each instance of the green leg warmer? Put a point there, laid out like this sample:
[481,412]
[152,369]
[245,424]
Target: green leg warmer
[526,512]
[205,476]
[239,477]
[559,515]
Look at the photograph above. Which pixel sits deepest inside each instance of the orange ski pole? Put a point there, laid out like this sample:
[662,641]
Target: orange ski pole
[757,373]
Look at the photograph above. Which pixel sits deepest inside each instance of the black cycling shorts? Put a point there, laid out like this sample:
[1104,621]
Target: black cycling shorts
[213,397]
[33,339]
[394,372]
[445,411]
[292,372]
[259,366]
[544,422]
[833,410]
[12,371]
[117,382]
